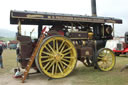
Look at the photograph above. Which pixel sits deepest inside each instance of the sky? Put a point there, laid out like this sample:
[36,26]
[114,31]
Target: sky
[105,8]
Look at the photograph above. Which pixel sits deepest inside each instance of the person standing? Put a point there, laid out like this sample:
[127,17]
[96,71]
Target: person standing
[1,51]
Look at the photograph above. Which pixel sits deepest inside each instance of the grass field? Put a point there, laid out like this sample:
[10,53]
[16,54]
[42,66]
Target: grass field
[9,61]
[80,76]
[6,39]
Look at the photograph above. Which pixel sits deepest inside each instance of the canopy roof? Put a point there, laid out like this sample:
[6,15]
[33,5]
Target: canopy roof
[35,18]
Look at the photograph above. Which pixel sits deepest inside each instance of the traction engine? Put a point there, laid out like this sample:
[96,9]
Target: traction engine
[68,39]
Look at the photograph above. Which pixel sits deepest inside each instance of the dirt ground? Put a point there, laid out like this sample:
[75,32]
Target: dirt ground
[36,79]
[39,79]
[80,76]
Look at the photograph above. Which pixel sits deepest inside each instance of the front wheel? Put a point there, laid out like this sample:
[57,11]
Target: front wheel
[105,59]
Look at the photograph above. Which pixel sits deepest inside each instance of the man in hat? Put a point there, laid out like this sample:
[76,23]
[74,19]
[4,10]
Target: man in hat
[1,51]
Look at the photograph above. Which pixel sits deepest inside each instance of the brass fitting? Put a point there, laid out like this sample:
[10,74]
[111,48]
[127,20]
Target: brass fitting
[90,35]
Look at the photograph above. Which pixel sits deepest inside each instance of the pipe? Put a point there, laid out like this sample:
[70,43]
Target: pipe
[39,30]
[93,5]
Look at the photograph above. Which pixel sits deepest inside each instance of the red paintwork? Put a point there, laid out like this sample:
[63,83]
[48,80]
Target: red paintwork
[126,50]
[119,51]
[44,29]
[125,46]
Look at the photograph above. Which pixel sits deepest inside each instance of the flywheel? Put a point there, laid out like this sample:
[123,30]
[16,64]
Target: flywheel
[57,57]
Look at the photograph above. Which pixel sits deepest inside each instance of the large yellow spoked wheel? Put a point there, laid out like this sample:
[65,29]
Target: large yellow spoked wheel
[105,59]
[57,57]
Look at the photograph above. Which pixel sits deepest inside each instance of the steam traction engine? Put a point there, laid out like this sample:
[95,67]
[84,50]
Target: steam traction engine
[70,38]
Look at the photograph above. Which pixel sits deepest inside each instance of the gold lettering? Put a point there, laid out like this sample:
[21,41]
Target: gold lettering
[34,16]
[110,21]
[49,17]
[64,18]
[53,17]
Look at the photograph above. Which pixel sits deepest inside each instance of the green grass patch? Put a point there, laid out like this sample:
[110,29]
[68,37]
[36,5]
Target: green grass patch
[9,61]
[81,75]
[6,39]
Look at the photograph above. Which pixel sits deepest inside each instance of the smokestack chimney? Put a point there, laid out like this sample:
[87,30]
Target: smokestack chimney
[93,4]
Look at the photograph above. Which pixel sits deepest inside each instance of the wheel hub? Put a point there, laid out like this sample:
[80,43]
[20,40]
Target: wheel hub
[105,59]
[57,57]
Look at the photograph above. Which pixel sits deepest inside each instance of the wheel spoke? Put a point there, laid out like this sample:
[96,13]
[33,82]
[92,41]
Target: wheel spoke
[101,55]
[100,63]
[61,44]
[109,56]
[103,64]
[67,53]
[44,56]
[50,65]
[60,68]
[64,63]
[47,60]
[61,65]
[62,48]
[99,58]
[57,49]
[47,49]
[107,64]
[106,52]
[51,48]
[67,49]
[109,60]
[69,57]
[47,53]
[66,60]
[47,64]
[56,68]
[53,69]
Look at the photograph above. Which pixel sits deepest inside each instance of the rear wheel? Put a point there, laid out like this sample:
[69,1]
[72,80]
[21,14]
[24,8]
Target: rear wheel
[105,60]
[57,57]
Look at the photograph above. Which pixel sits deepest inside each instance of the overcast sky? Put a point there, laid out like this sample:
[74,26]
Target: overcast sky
[106,8]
